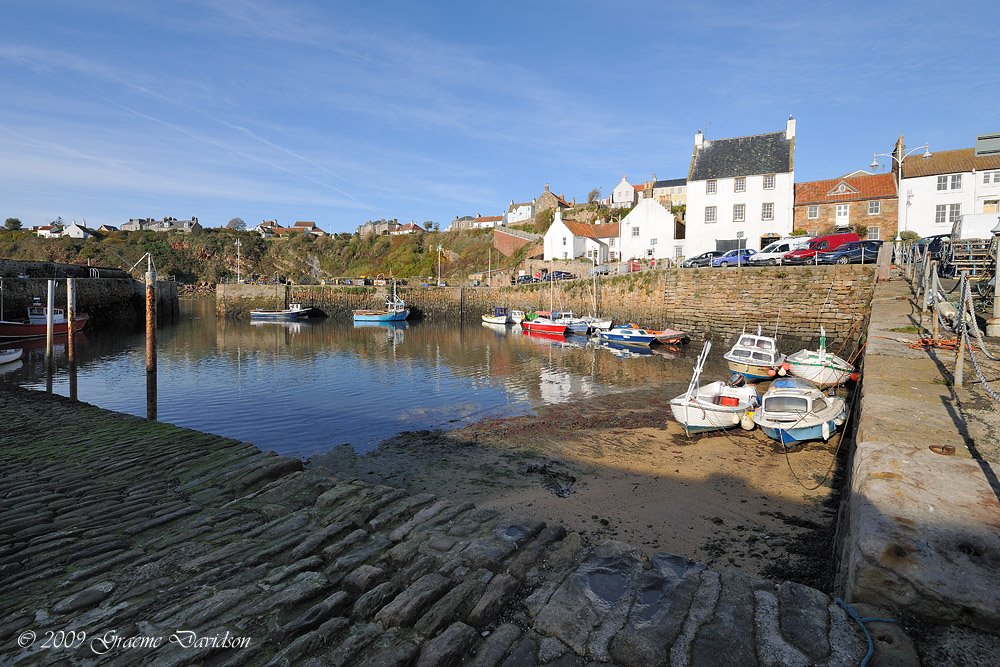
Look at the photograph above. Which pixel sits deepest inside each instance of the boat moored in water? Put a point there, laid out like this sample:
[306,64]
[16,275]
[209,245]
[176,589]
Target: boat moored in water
[10,356]
[395,310]
[35,325]
[295,311]
[627,334]
[499,316]
[795,410]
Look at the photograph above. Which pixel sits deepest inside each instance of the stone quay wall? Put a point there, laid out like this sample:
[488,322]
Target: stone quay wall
[110,302]
[795,299]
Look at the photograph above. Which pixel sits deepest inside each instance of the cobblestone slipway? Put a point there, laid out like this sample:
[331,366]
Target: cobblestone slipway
[111,524]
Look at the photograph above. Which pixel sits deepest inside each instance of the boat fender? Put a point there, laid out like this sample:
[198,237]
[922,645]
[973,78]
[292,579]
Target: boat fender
[855,377]
[771,372]
[783,370]
[746,421]
[826,431]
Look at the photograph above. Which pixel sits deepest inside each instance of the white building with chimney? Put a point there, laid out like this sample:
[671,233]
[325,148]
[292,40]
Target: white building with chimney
[740,191]
[650,231]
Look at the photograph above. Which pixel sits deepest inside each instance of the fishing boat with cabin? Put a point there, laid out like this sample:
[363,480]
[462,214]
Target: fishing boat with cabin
[794,410]
[395,310]
[35,326]
[295,311]
[499,316]
[756,357]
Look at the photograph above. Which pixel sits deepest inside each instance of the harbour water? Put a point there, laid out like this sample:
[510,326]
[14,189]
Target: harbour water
[302,388]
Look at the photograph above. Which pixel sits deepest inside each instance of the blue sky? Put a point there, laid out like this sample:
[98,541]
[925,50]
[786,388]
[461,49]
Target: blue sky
[343,112]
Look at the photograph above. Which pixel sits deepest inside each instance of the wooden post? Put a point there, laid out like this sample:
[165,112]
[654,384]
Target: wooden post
[151,345]
[70,319]
[960,358]
[937,308]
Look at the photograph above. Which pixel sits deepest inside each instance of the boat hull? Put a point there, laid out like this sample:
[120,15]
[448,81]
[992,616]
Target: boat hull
[627,338]
[10,356]
[534,326]
[18,330]
[828,371]
[707,411]
[496,319]
[798,434]
[753,372]
[275,316]
[381,316]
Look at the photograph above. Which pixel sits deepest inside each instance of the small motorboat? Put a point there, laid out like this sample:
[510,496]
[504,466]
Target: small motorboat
[541,324]
[395,310]
[499,316]
[295,311]
[597,323]
[574,324]
[36,324]
[795,410]
[627,334]
[819,366]
[715,406]
[667,336]
[516,316]
[756,357]
[10,356]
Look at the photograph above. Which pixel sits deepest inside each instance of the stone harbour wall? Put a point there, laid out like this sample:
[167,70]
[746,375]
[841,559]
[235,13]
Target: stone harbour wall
[795,299]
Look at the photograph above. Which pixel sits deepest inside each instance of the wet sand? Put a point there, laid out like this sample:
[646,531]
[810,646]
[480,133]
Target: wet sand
[619,467]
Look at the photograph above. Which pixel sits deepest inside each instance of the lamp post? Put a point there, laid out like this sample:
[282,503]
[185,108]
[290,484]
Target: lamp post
[439,265]
[899,175]
[239,275]
[993,324]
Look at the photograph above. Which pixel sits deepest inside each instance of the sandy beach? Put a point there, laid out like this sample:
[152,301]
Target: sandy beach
[618,466]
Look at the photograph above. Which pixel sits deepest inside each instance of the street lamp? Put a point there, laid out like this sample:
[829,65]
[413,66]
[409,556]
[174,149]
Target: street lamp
[439,265]
[899,174]
[239,275]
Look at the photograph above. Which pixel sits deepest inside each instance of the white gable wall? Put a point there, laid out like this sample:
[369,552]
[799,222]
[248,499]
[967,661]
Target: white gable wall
[702,235]
[647,222]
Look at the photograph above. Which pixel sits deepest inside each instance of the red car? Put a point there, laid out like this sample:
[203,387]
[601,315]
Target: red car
[819,244]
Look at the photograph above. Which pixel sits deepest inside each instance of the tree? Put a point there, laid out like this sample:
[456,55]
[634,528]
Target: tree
[593,195]
[428,225]
[437,227]
[12,224]
[236,224]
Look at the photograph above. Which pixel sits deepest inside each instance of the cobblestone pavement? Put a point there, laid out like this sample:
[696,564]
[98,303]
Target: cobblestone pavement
[133,532]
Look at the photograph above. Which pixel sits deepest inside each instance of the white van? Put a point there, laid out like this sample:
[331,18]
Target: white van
[771,254]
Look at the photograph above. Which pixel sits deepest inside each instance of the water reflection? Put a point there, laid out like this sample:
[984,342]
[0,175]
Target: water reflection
[303,387]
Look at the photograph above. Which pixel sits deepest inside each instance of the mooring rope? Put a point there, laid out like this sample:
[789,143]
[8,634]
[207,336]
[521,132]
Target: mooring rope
[963,329]
[861,621]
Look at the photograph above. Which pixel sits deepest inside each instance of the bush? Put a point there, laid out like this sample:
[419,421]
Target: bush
[909,236]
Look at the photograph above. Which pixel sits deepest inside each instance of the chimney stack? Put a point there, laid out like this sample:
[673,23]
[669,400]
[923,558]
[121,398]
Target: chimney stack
[699,139]
[546,187]
[790,128]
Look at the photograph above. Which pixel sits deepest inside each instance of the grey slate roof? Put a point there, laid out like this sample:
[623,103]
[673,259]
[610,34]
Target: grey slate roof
[672,183]
[743,156]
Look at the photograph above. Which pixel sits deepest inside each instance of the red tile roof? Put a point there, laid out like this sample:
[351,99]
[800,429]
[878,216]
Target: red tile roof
[858,188]
[489,218]
[948,162]
[604,231]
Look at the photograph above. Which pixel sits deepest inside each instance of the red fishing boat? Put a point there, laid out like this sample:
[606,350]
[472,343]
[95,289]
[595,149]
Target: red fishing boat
[543,325]
[35,325]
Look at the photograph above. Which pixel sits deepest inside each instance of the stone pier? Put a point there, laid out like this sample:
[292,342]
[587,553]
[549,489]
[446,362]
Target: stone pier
[141,531]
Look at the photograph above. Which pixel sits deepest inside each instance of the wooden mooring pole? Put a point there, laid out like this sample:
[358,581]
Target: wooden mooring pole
[151,344]
[71,334]
[50,303]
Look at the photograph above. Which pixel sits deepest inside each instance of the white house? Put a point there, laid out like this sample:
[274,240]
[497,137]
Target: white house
[567,239]
[50,231]
[935,192]
[649,231]
[75,231]
[519,212]
[624,194]
[740,191]
[672,191]
[486,221]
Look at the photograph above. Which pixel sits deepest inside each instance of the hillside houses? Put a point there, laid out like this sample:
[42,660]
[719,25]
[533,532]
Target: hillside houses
[164,225]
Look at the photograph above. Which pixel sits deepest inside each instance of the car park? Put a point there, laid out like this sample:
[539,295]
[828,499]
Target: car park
[819,244]
[855,252]
[740,257]
[704,259]
[772,253]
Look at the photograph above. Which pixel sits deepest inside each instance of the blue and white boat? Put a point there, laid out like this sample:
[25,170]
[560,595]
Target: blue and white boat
[795,410]
[395,310]
[627,334]
[294,311]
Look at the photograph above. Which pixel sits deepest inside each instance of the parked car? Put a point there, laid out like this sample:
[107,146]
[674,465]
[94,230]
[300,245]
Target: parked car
[819,244]
[526,279]
[739,257]
[599,270]
[704,259]
[772,253]
[855,252]
[933,244]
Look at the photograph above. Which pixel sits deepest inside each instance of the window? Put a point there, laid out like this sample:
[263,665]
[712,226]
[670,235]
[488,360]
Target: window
[649,252]
[740,184]
[942,183]
[873,233]
[678,251]
[709,214]
[564,240]
[612,243]
[956,181]
[739,212]
[565,255]
[652,241]
[953,182]
[813,212]
[986,177]
[710,187]
[940,213]
[767,211]
[874,207]
[769,181]
[635,232]
[954,211]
